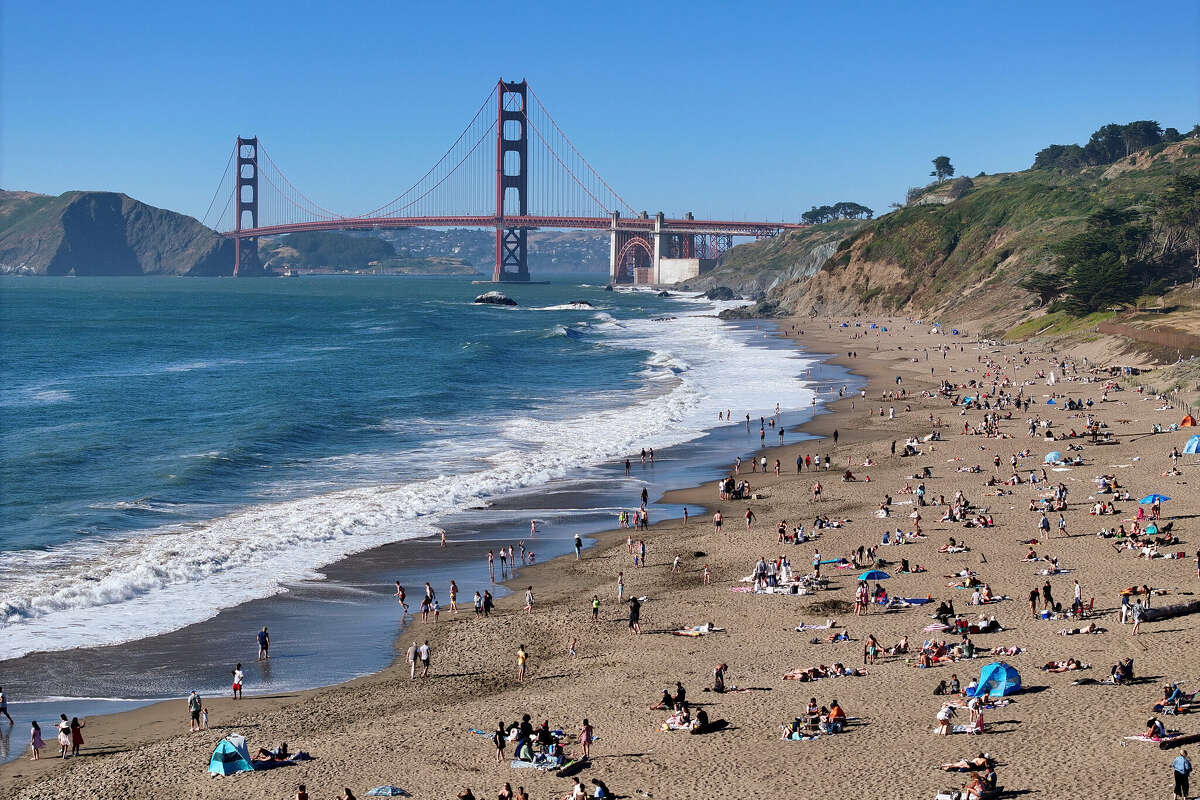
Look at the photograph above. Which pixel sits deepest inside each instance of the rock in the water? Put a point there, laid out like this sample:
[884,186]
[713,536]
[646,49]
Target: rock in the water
[495,299]
[608,288]
[664,294]
[579,303]
[720,293]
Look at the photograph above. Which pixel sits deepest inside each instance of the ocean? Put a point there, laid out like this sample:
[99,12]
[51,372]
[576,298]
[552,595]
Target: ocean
[185,460]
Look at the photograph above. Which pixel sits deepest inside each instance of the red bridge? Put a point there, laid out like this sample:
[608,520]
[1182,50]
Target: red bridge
[523,183]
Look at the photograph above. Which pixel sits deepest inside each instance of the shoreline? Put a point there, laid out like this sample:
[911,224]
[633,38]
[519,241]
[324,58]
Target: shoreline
[1056,737]
[150,715]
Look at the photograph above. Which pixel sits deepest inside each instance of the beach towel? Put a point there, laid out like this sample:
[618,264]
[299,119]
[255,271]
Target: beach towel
[1144,738]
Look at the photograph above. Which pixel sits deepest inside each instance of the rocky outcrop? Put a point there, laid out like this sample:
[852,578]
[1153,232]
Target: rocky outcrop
[763,309]
[495,299]
[720,293]
[105,233]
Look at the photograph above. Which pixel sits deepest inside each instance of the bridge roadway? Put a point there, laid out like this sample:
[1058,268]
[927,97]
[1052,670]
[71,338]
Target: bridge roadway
[627,234]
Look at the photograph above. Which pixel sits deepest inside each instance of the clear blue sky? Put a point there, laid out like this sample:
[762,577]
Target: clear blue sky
[741,110]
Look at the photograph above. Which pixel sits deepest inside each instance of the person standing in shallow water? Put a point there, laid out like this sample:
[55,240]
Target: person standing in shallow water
[264,644]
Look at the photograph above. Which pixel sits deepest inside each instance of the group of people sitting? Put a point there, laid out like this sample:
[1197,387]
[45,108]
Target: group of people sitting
[982,778]
[815,720]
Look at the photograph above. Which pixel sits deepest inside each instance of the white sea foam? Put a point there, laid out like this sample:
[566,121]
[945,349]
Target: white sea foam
[104,591]
[34,396]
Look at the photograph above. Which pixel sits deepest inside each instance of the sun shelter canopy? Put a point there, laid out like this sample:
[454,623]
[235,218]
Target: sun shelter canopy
[1193,445]
[998,680]
[1187,422]
[230,756]
[1053,457]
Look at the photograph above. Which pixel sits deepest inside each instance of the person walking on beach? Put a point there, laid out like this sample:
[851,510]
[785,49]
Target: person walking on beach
[36,742]
[488,604]
[498,739]
[685,521]
[411,655]
[586,734]
[193,704]
[4,705]
[65,734]
[578,547]
[454,597]
[528,599]
[503,563]
[749,518]
[77,735]
[1138,610]
[238,677]
[264,644]
[1033,602]
[717,521]
[595,608]
[635,615]
[620,587]
[522,657]
[400,595]
[835,436]
[491,566]
[1047,596]
[1182,769]
[423,654]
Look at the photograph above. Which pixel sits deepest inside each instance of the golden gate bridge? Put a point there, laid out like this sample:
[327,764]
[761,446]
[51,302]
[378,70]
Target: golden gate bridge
[513,170]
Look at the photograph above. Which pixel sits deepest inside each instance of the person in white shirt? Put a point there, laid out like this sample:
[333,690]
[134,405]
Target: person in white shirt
[238,677]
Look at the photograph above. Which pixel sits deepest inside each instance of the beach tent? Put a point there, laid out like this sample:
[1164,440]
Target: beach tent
[998,680]
[230,756]
[1187,422]
[1193,445]
[1053,457]
[1051,402]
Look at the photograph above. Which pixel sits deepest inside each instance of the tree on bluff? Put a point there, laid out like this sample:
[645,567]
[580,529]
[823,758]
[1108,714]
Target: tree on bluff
[942,168]
[843,210]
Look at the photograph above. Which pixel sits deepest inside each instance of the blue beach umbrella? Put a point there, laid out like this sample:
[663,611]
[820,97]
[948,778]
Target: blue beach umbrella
[1053,457]
[874,575]
[1154,498]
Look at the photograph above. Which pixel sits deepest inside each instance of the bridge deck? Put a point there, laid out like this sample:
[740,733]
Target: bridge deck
[735,228]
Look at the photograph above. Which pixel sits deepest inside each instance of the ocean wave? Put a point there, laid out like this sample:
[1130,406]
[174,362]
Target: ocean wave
[34,396]
[108,590]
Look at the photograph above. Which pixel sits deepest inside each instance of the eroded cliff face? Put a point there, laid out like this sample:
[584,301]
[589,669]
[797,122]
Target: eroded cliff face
[756,269]
[105,233]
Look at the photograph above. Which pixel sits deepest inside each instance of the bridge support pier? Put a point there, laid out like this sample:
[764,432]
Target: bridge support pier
[245,197]
[512,176]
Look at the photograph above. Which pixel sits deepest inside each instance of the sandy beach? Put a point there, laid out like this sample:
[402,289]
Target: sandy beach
[1054,739]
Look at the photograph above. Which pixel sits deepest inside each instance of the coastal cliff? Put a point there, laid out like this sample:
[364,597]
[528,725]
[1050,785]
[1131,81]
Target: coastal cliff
[106,233]
[967,249]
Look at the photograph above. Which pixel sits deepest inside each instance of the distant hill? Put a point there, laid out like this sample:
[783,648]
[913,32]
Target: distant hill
[105,233]
[341,252]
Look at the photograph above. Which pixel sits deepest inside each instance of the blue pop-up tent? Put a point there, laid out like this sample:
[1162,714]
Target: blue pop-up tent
[1193,445]
[230,756]
[997,680]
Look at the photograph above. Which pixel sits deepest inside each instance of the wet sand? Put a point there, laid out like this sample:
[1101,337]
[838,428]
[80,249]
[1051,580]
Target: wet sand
[1055,739]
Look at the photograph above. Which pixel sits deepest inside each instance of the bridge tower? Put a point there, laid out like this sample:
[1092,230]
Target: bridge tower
[512,177]
[245,195]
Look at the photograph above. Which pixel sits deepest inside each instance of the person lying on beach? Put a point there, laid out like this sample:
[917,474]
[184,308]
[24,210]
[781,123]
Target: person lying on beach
[1070,665]
[982,761]
[278,754]
[1089,628]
